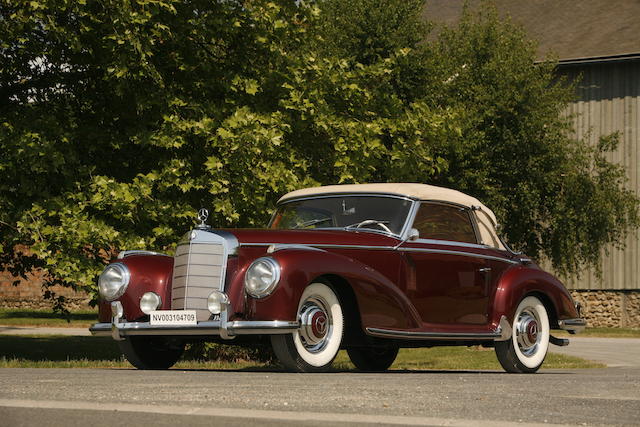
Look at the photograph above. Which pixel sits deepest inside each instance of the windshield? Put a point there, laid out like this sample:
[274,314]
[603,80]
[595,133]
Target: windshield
[380,213]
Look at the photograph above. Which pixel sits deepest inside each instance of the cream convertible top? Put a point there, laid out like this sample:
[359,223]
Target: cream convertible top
[485,217]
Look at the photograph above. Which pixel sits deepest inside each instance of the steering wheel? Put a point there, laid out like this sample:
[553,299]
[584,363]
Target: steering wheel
[374,222]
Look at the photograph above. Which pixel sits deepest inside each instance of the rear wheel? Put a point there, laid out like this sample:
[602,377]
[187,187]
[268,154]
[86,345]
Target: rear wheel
[314,346]
[373,359]
[527,348]
[151,352]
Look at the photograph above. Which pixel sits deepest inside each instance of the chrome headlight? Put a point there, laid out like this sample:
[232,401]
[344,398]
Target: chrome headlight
[262,277]
[149,302]
[113,281]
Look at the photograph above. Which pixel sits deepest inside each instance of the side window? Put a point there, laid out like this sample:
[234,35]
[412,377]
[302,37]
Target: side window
[442,222]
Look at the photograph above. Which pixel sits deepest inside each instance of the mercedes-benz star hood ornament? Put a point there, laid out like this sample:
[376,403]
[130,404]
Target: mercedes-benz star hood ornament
[203,214]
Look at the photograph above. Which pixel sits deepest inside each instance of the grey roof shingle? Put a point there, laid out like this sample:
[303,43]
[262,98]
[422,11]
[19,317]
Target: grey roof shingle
[570,29]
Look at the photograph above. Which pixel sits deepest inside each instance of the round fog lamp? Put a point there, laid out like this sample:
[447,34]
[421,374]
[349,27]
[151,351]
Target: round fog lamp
[149,302]
[216,302]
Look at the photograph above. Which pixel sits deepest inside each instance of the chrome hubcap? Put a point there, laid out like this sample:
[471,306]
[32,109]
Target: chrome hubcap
[527,332]
[315,324]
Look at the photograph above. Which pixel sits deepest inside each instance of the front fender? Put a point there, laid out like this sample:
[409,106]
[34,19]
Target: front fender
[520,281]
[149,273]
[380,302]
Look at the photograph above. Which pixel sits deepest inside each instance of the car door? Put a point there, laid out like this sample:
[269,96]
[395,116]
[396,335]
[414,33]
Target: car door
[449,278]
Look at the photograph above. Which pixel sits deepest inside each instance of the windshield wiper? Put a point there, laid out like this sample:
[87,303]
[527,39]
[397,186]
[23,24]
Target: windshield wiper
[311,222]
[381,224]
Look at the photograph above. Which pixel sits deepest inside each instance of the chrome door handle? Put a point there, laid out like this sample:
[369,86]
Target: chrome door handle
[484,270]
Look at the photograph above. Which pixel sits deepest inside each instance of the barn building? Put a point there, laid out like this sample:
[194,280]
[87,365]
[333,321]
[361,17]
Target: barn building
[598,46]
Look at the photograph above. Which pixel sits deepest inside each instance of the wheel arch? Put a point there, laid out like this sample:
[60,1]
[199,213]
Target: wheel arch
[520,282]
[549,305]
[360,285]
[353,333]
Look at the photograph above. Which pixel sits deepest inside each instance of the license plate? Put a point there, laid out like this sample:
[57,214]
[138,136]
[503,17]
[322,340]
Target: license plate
[173,317]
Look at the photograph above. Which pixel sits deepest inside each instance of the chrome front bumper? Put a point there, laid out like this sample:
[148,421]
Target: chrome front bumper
[224,328]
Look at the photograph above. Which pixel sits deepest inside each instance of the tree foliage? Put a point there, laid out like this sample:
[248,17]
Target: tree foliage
[120,119]
[558,197]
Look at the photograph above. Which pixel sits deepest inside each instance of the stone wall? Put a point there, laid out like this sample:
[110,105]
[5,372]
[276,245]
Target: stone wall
[28,294]
[610,308]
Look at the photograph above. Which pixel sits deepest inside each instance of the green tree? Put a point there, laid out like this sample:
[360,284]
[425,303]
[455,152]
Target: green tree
[122,118]
[557,197]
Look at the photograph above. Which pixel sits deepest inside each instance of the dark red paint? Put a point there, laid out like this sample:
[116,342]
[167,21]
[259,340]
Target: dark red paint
[394,287]
[149,273]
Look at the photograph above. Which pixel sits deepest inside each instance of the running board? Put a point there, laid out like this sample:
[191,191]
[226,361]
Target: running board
[502,333]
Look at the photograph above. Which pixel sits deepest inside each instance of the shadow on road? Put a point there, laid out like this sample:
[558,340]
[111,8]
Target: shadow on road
[57,348]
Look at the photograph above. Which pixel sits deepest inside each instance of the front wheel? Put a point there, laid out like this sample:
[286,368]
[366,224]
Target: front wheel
[151,352]
[373,359]
[527,348]
[314,346]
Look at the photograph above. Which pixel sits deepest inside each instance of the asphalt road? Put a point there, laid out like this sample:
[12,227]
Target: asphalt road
[613,352]
[107,397]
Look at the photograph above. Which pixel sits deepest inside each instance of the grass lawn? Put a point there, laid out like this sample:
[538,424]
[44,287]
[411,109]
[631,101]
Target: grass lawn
[44,318]
[602,333]
[102,352]
[76,352]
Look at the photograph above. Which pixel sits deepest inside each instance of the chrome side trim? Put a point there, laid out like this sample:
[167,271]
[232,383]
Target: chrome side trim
[286,246]
[436,336]
[325,246]
[451,243]
[447,252]
[574,325]
[124,254]
[501,333]
[389,248]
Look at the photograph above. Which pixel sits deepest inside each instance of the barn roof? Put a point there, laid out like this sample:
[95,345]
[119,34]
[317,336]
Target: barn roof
[572,30]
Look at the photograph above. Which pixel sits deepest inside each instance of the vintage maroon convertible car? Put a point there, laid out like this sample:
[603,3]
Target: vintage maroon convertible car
[369,268]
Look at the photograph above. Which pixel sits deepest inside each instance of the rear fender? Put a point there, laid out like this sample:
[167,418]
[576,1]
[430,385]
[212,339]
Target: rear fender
[521,281]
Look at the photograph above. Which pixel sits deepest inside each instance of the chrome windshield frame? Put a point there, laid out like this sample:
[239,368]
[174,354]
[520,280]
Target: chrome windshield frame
[404,231]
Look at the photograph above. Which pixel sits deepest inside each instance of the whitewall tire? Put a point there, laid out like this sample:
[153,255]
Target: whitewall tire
[526,350]
[317,342]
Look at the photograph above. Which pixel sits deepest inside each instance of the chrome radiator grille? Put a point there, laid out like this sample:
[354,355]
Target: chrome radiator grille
[198,268]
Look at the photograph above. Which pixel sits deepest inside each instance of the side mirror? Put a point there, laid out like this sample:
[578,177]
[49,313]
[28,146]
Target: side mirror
[413,234]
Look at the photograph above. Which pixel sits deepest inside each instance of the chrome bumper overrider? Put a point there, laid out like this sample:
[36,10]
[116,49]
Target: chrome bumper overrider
[572,325]
[223,328]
